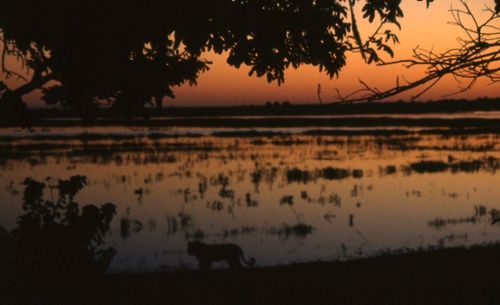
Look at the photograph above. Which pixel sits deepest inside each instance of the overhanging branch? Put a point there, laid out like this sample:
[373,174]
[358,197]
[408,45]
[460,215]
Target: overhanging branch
[477,57]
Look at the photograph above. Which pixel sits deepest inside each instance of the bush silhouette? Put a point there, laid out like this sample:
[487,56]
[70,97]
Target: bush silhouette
[55,242]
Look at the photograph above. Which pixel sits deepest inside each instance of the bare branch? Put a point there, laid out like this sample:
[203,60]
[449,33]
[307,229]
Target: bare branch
[7,48]
[477,57]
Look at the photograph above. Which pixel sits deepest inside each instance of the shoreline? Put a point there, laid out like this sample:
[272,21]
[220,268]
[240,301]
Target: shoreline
[274,122]
[443,276]
[440,276]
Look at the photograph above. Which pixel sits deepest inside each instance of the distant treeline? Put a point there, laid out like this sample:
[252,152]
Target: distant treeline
[286,108]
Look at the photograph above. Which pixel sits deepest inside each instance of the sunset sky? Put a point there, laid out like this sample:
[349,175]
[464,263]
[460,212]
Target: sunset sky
[428,28]
[225,85]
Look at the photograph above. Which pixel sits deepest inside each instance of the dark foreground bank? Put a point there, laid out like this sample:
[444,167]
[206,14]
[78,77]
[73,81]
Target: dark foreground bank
[446,276]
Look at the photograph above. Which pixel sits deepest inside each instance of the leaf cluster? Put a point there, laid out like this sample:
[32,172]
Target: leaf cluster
[57,235]
[130,53]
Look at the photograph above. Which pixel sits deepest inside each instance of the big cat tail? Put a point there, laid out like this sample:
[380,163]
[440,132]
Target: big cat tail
[250,262]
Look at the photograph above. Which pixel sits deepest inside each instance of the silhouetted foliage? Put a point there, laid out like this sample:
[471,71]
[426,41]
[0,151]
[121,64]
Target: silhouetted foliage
[490,164]
[298,175]
[332,173]
[429,166]
[476,57]
[128,53]
[55,242]
[480,214]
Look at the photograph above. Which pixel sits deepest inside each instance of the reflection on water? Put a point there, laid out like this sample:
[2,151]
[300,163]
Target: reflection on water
[284,196]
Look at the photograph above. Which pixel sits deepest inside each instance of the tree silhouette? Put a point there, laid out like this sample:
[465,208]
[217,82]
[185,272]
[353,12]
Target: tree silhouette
[127,53]
[55,242]
[477,56]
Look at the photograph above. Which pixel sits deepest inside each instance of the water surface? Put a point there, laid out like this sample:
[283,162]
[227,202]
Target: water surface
[284,195]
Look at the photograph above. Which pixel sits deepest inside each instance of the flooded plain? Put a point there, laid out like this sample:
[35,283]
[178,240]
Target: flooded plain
[284,195]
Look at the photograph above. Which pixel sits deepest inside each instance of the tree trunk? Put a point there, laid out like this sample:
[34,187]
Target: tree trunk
[13,110]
